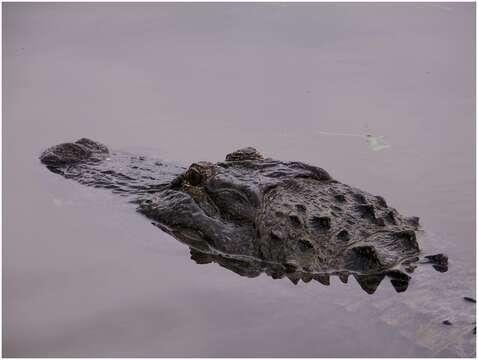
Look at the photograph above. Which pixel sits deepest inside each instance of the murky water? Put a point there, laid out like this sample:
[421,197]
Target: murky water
[84,275]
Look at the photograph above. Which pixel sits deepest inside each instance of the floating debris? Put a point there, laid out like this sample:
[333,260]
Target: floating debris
[375,143]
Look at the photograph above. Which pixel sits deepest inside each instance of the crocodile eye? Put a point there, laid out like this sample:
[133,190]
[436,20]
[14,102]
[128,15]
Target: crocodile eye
[194,177]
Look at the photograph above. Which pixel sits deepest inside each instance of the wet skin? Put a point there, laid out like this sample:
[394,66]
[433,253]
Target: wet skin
[252,214]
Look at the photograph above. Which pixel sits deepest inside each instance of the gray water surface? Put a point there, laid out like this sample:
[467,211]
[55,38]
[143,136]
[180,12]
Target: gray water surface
[84,275]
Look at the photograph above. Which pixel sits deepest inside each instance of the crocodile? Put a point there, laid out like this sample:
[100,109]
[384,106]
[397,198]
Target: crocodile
[253,215]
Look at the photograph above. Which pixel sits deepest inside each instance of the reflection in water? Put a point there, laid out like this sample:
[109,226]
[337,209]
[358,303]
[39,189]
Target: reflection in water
[250,267]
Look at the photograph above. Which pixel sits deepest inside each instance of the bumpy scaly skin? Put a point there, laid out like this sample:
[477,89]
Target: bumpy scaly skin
[253,215]
[70,153]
